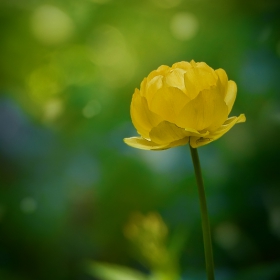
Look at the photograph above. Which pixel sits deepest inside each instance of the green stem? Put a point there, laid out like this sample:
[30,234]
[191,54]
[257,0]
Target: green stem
[204,217]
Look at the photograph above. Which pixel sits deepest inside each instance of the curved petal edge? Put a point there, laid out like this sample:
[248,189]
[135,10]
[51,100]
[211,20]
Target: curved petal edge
[196,142]
[144,144]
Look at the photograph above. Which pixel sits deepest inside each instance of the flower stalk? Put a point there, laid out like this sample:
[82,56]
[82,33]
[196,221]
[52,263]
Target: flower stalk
[204,216]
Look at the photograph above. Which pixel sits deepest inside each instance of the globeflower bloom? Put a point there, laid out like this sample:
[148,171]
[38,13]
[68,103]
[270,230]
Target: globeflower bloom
[184,103]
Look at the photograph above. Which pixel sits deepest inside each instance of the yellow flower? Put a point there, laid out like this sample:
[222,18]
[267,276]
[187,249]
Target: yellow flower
[188,102]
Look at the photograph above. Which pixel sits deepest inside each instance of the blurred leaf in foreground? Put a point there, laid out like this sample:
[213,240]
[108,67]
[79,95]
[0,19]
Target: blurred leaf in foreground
[114,272]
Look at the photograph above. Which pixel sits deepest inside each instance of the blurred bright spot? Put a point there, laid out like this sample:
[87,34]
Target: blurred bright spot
[227,235]
[50,25]
[110,53]
[92,109]
[45,82]
[167,3]
[53,108]
[28,205]
[184,26]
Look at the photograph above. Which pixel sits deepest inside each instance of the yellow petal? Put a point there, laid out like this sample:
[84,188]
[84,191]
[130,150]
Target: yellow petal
[193,132]
[182,65]
[143,87]
[193,63]
[222,82]
[207,111]
[143,144]
[166,132]
[198,78]
[153,82]
[153,86]
[179,142]
[230,95]
[159,72]
[229,123]
[175,78]
[241,118]
[167,102]
[142,118]
[196,142]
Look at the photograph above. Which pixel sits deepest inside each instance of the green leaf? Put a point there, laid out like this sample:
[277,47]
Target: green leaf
[106,271]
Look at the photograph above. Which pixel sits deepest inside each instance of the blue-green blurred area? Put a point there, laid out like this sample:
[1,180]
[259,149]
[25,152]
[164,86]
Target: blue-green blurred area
[68,183]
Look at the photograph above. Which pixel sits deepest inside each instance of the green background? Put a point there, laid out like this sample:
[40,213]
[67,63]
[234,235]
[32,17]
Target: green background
[68,183]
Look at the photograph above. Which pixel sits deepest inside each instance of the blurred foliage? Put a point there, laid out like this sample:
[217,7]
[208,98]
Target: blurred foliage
[114,272]
[151,245]
[68,184]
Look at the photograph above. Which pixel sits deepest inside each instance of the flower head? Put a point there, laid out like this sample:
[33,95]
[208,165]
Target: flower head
[187,102]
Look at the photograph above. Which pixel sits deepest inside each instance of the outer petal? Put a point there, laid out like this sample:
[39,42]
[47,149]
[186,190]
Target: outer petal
[207,111]
[143,87]
[140,143]
[180,142]
[198,78]
[167,102]
[229,123]
[152,87]
[142,118]
[166,132]
[230,95]
[222,82]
